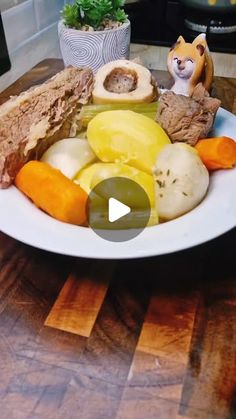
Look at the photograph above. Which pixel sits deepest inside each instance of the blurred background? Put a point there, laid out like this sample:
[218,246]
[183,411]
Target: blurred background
[28,32]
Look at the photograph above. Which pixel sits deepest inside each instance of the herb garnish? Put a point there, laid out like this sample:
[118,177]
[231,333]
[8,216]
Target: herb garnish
[160,183]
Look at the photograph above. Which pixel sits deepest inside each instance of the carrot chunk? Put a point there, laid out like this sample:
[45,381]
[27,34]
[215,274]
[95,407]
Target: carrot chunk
[217,153]
[53,192]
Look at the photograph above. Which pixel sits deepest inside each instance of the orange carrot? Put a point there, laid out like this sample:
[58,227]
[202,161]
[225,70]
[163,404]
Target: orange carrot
[217,153]
[53,192]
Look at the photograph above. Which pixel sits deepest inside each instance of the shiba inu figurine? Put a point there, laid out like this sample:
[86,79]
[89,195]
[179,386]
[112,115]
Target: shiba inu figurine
[190,64]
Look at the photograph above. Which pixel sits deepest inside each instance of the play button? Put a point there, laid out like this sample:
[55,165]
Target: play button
[118,209]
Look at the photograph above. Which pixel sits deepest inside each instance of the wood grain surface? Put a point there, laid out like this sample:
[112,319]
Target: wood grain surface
[143,339]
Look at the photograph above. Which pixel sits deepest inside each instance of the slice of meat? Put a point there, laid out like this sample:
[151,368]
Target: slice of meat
[201,95]
[32,121]
[187,119]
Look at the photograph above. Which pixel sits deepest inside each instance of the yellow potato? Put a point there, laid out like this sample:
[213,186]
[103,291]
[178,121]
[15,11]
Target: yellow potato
[126,137]
[91,176]
[146,181]
[84,177]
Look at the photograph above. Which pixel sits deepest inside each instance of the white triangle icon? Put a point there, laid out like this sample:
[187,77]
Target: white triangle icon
[116,210]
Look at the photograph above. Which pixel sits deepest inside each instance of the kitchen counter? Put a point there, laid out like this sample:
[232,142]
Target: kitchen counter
[148,338]
[155,57]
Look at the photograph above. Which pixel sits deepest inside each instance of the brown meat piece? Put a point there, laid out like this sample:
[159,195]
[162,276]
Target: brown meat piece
[37,118]
[187,119]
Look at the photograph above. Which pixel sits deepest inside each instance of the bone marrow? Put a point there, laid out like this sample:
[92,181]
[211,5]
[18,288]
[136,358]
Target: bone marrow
[123,81]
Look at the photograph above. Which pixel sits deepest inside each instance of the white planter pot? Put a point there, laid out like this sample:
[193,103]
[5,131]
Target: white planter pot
[93,49]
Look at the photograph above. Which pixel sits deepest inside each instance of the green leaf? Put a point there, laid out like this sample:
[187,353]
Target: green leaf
[119,15]
[96,14]
[93,12]
[70,16]
[116,4]
[104,5]
[85,5]
[93,18]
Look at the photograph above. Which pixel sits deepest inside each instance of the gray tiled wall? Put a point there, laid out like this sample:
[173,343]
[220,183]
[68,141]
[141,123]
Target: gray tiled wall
[31,34]
[6,4]
[45,14]
[24,20]
[19,24]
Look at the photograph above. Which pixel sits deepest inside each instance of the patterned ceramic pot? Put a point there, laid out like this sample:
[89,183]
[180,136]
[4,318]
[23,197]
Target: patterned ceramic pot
[93,49]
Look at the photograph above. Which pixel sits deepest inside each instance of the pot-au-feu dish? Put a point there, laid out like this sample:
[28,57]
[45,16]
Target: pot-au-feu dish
[60,139]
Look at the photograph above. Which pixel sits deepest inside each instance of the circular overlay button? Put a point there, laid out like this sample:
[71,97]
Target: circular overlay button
[118,209]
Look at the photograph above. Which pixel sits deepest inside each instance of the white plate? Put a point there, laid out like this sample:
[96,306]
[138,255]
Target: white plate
[213,217]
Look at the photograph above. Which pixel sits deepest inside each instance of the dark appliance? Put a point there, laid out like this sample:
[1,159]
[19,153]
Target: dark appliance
[160,22]
[5,63]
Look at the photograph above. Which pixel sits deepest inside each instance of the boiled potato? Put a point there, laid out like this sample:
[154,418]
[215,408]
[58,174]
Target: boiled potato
[84,177]
[126,137]
[69,156]
[123,170]
[182,180]
[91,176]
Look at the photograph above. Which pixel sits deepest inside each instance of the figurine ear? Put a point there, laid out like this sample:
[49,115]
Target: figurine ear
[200,39]
[201,49]
[174,45]
[181,40]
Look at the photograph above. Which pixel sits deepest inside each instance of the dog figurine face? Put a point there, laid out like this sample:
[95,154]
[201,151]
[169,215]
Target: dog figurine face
[187,63]
[183,67]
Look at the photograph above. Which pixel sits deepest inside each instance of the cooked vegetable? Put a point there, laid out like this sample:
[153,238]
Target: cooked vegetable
[217,153]
[53,192]
[104,171]
[85,176]
[88,112]
[124,81]
[182,180]
[91,176]
[126,137]
[69,156]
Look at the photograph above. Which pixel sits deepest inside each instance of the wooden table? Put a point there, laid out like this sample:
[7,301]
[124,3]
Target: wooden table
[151,338]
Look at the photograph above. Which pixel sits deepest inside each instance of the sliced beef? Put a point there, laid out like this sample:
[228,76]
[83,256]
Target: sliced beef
[37,118]
[187,119]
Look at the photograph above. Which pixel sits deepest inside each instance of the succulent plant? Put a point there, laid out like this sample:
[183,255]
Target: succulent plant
[94,13]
